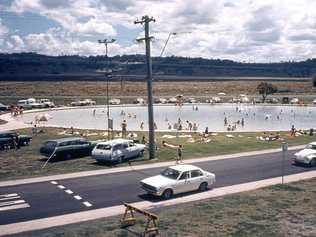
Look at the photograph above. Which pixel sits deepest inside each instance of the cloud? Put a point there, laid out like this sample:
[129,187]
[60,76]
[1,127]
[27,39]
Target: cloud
[261,30]
[55,3]
[93,26]
[3,29]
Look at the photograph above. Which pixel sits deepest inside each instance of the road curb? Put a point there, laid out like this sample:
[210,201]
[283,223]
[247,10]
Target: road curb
[78,217]
[138,167]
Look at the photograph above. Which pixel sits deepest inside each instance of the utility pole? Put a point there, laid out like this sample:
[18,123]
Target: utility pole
[107,75]
[146,20]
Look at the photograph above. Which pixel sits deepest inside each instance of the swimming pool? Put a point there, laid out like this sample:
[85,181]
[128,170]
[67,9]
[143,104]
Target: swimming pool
[256,117]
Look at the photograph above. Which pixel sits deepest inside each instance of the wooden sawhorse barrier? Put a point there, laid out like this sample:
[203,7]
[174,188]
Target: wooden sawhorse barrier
[129,219]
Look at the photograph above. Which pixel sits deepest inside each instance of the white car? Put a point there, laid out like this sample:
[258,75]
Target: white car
[178,179]
[117,150]
[46,103]
[306,156]
[84,102]
[114,101]
[30,103]
[294,101]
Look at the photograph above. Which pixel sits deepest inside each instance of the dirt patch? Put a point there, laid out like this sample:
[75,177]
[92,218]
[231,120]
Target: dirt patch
[98,88]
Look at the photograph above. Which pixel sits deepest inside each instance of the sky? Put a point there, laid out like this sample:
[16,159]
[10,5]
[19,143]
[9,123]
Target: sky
[240,30]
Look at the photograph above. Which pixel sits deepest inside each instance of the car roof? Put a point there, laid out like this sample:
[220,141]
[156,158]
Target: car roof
[183,168]
[313,143]
[66,139]
[7,132]
[115,141]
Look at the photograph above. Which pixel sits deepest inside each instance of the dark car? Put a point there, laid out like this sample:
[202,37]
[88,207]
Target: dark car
[11,139]
[67,148]
[3,107]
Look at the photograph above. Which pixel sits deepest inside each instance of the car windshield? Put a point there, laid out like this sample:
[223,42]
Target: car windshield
[104,147]
[50,144]
[310,146]
[170,173]
[5,135]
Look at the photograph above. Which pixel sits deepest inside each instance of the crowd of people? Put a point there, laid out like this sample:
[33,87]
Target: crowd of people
[16,110]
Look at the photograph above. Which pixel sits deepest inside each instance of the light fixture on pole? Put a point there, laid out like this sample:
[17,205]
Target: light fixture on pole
[108,74]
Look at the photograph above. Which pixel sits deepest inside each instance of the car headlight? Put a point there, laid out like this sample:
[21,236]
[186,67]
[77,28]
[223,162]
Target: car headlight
[310,156]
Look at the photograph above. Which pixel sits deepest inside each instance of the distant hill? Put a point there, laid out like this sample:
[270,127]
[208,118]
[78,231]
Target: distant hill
[31,66]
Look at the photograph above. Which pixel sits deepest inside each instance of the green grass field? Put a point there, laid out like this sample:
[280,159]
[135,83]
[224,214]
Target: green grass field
[27,162]
[276,211]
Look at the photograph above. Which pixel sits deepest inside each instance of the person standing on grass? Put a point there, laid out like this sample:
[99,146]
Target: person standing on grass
[293,130]
[124,128]
[179,149]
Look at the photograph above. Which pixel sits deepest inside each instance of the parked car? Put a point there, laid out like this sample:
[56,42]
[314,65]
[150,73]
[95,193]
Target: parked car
[117,150]
[88,102]
[272,100]
[67,148]
[7,139]
[114,101]
[4,107]
[30,103]
[306,156]
[192,100]
[139,101]
[294,101]
[172,100]
[161,100]
[216,99]
[178,179]
[83,102]
[46,103]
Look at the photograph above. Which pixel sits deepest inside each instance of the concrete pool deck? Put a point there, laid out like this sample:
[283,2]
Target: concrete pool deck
[12,123]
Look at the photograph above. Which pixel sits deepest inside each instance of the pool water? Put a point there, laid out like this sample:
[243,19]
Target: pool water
[256,117]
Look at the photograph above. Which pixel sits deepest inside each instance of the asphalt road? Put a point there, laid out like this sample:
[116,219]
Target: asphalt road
[46,199]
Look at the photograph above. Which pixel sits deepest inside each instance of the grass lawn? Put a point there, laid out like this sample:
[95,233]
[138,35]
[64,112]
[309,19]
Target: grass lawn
[27,162]
[278,210]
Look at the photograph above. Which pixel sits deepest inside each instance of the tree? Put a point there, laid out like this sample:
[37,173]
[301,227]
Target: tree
[266,89]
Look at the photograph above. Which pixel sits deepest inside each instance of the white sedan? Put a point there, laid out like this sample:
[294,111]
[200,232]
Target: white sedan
[306,156]
[178,179]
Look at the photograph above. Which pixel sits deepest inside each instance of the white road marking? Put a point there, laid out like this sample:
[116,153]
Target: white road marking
[77,197]
[2,204]
[69,191]
[10,202]
[6,208]
[87,204]
[53,182]
[61,186]
[8,195]
[9,198]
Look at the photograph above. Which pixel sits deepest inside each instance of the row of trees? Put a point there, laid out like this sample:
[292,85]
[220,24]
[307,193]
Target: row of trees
[22,63]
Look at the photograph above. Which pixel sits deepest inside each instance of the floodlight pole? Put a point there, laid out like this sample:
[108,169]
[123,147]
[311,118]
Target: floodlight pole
[146,20]
[107,74]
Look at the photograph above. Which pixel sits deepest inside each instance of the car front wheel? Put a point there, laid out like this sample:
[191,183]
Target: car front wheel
[313,162]
[203,187]
[167,194]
